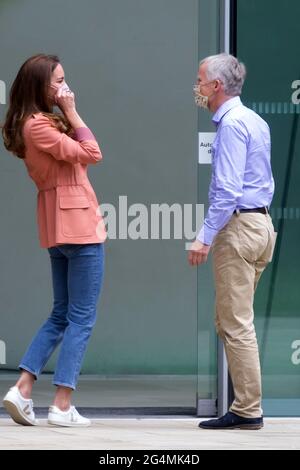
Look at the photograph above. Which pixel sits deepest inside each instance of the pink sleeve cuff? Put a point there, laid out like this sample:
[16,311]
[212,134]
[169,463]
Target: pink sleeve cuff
[83,133]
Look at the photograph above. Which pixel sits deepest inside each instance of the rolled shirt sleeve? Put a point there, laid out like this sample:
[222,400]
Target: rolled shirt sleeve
[82,147]
[83,133]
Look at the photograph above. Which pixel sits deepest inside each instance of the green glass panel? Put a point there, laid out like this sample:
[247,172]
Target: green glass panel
[267,41]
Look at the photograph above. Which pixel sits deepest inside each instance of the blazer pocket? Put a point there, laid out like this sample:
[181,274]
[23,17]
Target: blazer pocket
[76,216]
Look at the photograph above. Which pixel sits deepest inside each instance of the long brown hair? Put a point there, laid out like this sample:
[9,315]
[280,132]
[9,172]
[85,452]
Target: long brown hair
[28,95]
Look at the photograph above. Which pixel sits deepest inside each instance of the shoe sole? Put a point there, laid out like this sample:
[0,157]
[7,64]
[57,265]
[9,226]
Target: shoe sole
[16,414]
[68,425]
[245,427]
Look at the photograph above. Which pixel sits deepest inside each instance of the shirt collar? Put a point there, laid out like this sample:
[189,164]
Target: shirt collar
[225,107]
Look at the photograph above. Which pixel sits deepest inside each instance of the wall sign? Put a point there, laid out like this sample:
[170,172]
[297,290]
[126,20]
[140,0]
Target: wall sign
[205,147]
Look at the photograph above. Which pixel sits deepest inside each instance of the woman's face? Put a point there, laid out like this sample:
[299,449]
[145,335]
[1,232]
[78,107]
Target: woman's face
[57,80]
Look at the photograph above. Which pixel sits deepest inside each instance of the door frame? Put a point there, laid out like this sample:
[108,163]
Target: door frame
[225,395]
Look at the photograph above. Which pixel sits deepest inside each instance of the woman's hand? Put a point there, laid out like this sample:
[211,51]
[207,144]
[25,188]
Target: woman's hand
[65,100]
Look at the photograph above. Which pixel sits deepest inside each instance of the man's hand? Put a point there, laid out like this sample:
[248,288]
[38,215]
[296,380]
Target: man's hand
[198,253]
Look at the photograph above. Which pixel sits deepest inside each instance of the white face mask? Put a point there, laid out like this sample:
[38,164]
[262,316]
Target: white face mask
[63,87]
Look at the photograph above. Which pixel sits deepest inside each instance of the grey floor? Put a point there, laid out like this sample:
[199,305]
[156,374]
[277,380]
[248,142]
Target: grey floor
[149,433]
[138,431]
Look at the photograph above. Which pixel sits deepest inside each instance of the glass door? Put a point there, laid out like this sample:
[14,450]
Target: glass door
[132,65]
[273,90]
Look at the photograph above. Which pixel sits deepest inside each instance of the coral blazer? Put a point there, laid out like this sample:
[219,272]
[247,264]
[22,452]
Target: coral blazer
[67,207]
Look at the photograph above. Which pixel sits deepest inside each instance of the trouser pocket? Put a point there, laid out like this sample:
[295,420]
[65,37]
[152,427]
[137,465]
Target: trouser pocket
[273,238]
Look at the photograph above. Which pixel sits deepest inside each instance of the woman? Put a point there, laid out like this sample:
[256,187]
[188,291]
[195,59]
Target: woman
[56,149]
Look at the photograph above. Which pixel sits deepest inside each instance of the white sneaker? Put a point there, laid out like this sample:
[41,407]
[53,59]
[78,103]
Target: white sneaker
[19,408]
[69,418]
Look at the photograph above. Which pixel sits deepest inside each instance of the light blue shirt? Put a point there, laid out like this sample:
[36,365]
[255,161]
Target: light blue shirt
[241,166]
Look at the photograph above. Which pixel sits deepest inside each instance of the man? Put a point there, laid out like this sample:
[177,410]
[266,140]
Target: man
[237,227]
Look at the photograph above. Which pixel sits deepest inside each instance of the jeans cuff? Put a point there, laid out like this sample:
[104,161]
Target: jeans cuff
[63,384]
[27,369]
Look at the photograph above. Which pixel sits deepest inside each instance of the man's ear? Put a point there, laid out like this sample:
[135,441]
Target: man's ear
[218,85]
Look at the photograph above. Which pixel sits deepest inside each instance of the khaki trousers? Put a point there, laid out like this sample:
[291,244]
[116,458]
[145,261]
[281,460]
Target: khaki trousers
[241,251]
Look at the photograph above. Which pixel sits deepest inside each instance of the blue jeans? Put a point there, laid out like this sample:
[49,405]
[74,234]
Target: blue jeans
[77,272]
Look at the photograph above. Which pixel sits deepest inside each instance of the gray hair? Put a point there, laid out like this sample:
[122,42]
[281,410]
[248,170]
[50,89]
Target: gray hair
[229,70]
